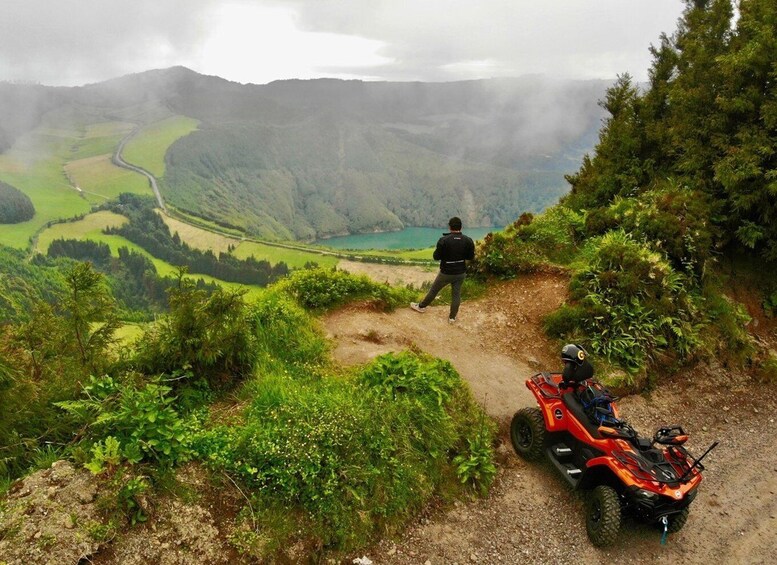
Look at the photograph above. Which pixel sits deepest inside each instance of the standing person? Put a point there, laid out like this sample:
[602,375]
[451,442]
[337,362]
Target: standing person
[453,249]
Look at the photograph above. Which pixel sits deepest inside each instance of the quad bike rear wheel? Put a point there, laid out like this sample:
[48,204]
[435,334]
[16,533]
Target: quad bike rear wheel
[603,516]
[527,433]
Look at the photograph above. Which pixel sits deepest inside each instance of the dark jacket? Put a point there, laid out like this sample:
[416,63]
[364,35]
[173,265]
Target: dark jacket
[452,250]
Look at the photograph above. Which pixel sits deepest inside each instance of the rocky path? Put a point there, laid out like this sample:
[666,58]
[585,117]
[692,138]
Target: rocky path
[531,516]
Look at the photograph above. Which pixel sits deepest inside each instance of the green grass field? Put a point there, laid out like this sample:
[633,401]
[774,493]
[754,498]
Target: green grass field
[34,165]
[99,139]
[101,180]
[199,238]
[88,228]
[292,257]
[129,332]
[147,149]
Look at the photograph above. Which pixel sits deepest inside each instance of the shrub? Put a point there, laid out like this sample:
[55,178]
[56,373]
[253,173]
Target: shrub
[128,421]
[284,331]
[671,219]
[531,241]
[45,360]
[355,455]
[210,334]
[630,304]
[319,289]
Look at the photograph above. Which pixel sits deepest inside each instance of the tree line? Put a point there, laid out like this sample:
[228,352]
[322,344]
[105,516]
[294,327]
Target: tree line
[15,206]
[131,277]
[704,130]
[147,229]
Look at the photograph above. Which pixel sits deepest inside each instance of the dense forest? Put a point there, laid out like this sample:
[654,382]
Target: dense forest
[326,178]
[683,175]
[15,206]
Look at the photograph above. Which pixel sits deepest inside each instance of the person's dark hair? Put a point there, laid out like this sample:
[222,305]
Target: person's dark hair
[455,223]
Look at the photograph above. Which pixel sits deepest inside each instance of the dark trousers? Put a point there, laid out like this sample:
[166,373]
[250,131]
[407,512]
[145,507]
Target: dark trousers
[439,283]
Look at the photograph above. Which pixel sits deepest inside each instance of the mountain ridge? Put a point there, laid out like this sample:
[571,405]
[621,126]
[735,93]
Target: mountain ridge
[324,156]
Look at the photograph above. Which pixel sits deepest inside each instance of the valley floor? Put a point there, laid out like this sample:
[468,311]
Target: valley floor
[530,514]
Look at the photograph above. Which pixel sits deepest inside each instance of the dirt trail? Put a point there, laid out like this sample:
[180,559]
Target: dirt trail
[494,362]
[531,516]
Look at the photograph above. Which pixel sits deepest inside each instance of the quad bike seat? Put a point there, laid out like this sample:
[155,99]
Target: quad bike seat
[576,408]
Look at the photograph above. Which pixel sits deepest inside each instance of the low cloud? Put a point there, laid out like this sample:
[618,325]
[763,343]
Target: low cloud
[77,41]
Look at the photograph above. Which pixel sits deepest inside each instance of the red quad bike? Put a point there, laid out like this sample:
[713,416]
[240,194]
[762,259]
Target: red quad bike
[577,426]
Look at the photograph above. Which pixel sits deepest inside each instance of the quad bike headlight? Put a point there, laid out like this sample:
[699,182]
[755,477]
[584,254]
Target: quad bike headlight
[646,494]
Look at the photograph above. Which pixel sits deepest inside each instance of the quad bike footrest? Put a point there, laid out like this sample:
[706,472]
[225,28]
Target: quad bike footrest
[568,470]
[561,451]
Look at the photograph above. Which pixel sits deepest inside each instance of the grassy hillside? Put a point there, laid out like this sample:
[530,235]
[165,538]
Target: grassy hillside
[203,239]
[34,165]
[100,139]
[101,180]
[148,147]
[87,228]
[326,178]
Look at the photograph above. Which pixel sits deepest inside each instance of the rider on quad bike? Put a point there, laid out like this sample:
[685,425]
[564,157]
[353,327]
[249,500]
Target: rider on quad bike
[577,426]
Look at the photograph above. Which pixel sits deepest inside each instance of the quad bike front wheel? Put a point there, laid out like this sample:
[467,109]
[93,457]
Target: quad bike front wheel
[603,516]
[527,433]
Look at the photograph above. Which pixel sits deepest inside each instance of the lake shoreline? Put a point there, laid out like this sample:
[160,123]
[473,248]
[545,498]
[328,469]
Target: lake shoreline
[413,238]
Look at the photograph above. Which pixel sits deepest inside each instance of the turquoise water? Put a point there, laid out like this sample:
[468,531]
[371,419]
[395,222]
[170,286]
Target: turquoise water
[408,238]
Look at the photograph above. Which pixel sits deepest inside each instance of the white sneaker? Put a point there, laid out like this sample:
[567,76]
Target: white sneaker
[451,320]
[417,308]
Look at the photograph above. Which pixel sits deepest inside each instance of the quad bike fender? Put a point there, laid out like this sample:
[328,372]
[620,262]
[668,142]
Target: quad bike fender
[556,416]
[607,470]
[607,467]
[554,413]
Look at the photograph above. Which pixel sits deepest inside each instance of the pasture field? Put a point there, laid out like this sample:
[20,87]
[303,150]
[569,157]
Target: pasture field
[87,228]
[34,165]
[101,180]
[207,225]
[403,254]
[292,257]
[129,332]
[148,147]
[199,238]
[99,139]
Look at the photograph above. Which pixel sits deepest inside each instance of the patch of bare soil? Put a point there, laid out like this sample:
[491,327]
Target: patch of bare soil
[531,516]
[50,517]
[182,529]
[495,343]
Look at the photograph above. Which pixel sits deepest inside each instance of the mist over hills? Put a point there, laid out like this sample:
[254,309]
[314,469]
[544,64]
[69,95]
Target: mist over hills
[300,159]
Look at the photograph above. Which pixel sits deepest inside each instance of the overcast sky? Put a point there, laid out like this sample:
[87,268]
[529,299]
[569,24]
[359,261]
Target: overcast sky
[72,42]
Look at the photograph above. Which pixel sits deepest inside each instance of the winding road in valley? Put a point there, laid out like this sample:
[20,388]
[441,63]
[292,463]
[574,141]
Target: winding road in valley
[118,160]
